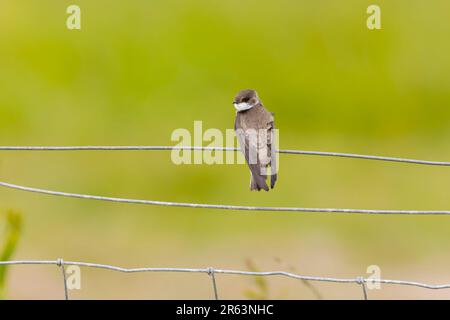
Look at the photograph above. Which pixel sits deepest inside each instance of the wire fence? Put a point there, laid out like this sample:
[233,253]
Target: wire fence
[212,272]
[220,206]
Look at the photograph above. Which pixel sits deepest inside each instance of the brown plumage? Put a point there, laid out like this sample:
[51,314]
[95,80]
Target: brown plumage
[255,130]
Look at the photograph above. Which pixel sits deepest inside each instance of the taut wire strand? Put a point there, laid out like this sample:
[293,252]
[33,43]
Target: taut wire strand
[358,280]
[167,148]
[219,206]
[362,282]
[60,263]
[213,279]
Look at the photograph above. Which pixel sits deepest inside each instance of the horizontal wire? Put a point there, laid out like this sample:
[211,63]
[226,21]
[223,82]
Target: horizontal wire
[162,148]
[218,206]
[356,280]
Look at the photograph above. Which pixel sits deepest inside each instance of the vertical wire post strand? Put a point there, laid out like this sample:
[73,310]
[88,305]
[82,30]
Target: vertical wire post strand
[213,278]
[362,283]
[60,263]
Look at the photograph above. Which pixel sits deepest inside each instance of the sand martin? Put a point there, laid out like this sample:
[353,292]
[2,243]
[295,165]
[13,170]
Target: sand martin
[255,130]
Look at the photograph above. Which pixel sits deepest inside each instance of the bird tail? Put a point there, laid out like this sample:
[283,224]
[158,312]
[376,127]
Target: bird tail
[273,179]
[257,183]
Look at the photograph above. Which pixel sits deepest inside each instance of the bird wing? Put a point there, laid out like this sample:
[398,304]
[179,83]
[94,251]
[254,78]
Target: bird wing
[271,144]
[250,147]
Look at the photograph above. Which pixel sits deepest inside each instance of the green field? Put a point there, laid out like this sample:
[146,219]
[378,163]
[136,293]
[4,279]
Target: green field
[137,70]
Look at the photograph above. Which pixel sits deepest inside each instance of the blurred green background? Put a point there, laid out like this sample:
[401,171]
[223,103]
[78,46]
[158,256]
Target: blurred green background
[137,70]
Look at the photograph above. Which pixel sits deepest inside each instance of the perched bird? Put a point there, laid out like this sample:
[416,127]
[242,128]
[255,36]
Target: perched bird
[255,130]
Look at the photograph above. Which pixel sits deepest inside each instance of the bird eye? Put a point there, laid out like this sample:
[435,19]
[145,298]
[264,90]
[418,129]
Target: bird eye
[245,100]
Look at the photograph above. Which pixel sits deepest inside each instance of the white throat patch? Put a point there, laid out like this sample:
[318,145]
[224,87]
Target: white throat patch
[242,106]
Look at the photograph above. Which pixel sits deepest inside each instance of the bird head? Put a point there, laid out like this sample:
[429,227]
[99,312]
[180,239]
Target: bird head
[245,100]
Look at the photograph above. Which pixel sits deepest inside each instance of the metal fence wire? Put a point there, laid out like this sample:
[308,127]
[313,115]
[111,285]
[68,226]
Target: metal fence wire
[212,272]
